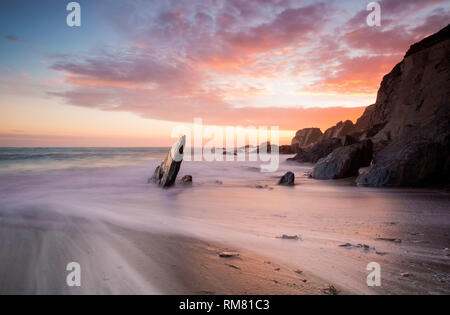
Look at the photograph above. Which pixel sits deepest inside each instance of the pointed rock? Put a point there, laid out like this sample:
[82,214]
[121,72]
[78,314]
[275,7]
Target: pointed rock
[287,180]
[166,173]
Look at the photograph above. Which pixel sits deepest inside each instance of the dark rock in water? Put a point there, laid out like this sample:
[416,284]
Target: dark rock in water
[344,161]
[166,173]
[420,156]
[306,137]
[287,180]
[187,179]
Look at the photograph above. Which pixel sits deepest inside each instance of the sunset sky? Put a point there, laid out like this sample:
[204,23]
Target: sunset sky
[136,69]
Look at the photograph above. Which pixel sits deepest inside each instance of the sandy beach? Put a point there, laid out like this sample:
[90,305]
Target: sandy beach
[130,237]
[117,260]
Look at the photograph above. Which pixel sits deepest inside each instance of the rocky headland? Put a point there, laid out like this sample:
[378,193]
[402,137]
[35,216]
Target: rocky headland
[401,140]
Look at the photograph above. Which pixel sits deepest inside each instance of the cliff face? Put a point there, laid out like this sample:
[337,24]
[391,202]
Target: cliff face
[409,125]
[419,156]
[412,115]
[415,89]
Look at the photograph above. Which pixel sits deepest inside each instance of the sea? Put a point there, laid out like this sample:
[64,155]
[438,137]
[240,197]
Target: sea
[232,203]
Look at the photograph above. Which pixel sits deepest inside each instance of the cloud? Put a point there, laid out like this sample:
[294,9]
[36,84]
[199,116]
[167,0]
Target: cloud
[357,75]
[179,60]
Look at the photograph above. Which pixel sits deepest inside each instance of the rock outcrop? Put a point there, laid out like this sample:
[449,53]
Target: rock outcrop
[419,156]
[415,89]
[408,126]
[319,150]
[166,173]
[363,128]
[409,123]
[341,129]
[288,179]
[344,161]
[306,137]
[287,149]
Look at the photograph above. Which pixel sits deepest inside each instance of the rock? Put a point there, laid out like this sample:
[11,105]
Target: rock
[344,161]
[363,122]
[228,254]
[348,140]
[166,173]
[415,89]
[187,179]
[306,137]
[319,150]
[405,274]
[341,129]
[286,149]
[264,147]
[262,187]
[420,156]
[288,179]
[289,237]
[225,152]
[395,240]
[330,290]
[409,123]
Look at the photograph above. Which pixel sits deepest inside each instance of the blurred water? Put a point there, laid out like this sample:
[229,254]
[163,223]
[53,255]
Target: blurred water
[41,159]
[46,188]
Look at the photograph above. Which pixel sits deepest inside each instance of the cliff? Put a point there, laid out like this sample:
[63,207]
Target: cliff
[409,125]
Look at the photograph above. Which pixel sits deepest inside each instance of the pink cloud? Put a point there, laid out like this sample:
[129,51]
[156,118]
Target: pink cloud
[178,58]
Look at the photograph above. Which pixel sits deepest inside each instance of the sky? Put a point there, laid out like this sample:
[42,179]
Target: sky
[135,70]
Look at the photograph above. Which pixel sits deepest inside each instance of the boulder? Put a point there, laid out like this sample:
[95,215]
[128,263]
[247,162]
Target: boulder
[288,179]
[306,137]
[344,161]
[166,173]
[187,179]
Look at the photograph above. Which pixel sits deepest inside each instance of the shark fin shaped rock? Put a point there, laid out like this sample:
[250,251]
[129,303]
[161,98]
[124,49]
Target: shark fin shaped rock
[166,173]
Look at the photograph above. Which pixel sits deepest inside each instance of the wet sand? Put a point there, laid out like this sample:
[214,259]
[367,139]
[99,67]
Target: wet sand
[35,249]
[132,237]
